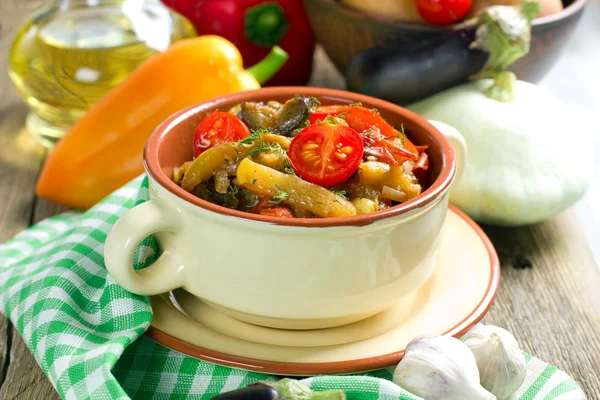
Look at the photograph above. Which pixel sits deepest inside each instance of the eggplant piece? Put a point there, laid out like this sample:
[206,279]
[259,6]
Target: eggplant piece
[403,74]
[281,119]
[256,115]
[236,198]
[291,115]
[479,48]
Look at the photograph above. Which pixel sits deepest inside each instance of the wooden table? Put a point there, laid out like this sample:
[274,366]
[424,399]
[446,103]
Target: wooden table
[549,295]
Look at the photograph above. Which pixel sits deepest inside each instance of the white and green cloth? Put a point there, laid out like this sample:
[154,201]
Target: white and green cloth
[86,332]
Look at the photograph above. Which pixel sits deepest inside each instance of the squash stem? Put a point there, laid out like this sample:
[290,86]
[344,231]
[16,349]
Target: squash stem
[268,66]
[502,88]
[505,33]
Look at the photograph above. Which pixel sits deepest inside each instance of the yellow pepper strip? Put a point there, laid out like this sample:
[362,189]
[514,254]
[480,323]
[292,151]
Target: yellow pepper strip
[103,150]
[291,190]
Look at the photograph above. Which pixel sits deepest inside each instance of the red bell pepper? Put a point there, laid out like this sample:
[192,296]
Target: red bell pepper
[254,26]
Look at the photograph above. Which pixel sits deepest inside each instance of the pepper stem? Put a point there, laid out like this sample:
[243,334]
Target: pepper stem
[265,24]
[505,33]
[268,66]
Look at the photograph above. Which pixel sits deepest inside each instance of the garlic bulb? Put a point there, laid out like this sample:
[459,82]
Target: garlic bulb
[500,361]
[440,368]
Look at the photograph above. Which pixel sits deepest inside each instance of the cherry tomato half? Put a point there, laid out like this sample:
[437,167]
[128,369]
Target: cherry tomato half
[218,128]
[443,12]
[361,119]
[326,154]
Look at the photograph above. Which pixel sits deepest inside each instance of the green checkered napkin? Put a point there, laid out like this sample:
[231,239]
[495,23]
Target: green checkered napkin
[86,332]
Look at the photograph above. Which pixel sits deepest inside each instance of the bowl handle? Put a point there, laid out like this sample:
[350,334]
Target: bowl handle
[165,274]
[459,145]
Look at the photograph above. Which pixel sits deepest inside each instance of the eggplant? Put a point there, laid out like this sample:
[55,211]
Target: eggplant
[478,48]
[254,392]
[285,389]
[407,73]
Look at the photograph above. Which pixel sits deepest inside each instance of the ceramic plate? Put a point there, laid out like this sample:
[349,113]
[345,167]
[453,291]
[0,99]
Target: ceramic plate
[458,294]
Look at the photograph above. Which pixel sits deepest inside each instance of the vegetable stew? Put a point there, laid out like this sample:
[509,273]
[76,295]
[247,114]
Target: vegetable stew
[303,160]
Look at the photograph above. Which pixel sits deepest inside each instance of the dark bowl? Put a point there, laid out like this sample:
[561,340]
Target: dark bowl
[343,32]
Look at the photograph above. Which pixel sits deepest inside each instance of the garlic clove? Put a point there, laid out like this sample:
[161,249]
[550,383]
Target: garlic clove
[501,363]
[440,368]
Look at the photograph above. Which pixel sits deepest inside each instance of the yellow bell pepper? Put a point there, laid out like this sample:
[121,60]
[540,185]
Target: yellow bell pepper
[103,150]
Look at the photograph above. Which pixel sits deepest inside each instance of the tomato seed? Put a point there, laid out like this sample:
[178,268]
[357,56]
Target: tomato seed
[340,156]
[309,146]
[347,150]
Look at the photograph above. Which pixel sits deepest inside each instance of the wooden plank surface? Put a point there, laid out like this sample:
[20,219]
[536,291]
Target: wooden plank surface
[20,162]
[549,295]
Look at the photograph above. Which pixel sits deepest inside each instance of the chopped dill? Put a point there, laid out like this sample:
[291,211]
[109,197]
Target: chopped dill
[254,136]
[268,147]
[260,144]
[357,104]
[289,171]
[341,193]
[233,191]
[314,102]
[279,197]
[253,181]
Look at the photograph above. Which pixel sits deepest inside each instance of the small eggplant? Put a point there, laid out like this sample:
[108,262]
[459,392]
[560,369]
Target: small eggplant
[254,392]
[285,389]
[478,48]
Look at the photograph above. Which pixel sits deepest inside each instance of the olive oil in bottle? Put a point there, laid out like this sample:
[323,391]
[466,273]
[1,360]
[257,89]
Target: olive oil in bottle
[70,53]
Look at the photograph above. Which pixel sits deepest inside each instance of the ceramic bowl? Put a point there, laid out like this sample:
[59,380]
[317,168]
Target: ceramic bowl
[344,32]
[283,273]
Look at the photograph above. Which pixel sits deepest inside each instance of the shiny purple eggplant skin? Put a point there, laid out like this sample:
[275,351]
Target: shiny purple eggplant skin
[406,73]
[253,392]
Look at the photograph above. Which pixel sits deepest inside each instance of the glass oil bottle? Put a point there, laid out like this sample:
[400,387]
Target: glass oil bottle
[70,53]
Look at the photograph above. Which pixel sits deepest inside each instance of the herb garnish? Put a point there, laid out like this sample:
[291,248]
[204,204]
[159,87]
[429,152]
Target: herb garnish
[314,102]
[341,193]
[260,144]
[254,136]
[279,197]
[268,147]
[233,191]
[253,181]
[357,104]
[289,171]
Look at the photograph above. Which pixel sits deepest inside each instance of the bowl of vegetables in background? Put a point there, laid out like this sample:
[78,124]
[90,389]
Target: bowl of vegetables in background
[334,267]
[344,30]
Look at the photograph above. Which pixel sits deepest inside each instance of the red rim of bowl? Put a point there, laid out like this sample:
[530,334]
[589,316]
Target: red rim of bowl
[340,367]
[571,9]
[434,192]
